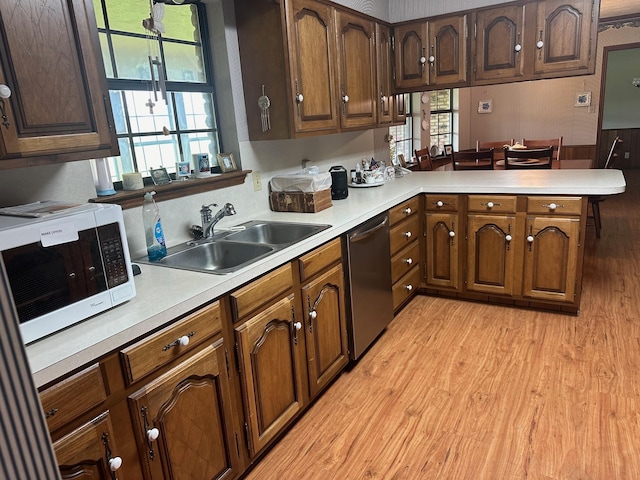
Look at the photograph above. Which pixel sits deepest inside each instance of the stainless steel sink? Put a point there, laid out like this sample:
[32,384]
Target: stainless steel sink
[275,233]
[229,251]
[215,256]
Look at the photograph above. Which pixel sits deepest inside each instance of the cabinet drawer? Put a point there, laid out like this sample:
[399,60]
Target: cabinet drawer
[321,258]
[554,205]
[158,349]
[72,397]
[441,203]
[404,233]
[405,260]
[492,203]
[259,292]
[402,211]
[406,287]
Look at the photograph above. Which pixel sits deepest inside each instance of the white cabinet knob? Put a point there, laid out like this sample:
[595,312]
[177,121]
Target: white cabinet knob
[530,239]
[153,434]
[5,92]
[299,98]
[518,47]
[508,238]
[409,261]
[407,234]
[297,325]
[313,314]
[439,203]
[115,463]
[452,234]
[183,341]
[423,60]
[345,98]
[409,287]
[552,206]
[432,59]
[539,44]
[490,205]
[407,211]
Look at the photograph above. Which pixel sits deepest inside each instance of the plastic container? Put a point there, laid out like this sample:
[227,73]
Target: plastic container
[156,247]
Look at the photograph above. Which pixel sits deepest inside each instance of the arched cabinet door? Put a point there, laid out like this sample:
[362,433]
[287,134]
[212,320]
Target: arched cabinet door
[490,254]
[271,356]
[551,258]
[182,420]
[411,55]
[443,237]
[447,51]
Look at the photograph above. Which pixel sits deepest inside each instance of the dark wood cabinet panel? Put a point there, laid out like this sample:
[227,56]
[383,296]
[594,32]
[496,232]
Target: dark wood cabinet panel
[411,55]
[442,239]
[384,70]
[448,45]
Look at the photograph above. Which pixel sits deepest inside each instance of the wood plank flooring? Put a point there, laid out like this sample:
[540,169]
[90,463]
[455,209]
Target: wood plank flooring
[462,390]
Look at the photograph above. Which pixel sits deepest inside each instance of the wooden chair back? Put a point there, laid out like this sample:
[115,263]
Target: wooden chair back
[514,159]
[424,159]
[498,145]
[473,159]
[556,143]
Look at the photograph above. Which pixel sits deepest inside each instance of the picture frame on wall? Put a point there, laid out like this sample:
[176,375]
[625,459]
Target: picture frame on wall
[583,99]
[226,162]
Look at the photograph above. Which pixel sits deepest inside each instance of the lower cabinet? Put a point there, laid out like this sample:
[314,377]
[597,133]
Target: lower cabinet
[181,420]
[404,237]
[89,452]
[443,234]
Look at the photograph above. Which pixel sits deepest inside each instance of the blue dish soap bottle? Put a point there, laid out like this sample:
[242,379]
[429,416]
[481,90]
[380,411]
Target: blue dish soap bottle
[156,247]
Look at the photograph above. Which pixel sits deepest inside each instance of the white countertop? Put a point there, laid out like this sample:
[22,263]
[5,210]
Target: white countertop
[164,294]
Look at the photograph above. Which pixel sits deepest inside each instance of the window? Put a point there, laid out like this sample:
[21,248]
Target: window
[402,134]
[441,118]
[152,132]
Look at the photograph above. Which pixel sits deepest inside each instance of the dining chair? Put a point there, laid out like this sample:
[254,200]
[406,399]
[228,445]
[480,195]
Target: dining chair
[595,200]
[498,154]
[556,143]
[528,159]
[424,159]
[473,159]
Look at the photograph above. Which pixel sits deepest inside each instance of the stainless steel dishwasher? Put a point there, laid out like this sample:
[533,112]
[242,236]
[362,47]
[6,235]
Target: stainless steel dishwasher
[368,253]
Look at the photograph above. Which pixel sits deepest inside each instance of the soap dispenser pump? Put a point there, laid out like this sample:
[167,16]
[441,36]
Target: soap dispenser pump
[156,247]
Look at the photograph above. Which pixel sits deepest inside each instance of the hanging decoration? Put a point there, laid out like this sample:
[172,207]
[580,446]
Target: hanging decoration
[264,103]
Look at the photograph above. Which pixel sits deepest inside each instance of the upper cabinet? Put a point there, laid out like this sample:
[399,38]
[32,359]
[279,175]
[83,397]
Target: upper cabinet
[531,40]
[56,107]
[318,65]
[410,44]
[384,70]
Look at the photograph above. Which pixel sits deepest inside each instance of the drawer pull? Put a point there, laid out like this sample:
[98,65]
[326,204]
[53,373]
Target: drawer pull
[408,261]
[407,211]
[153,434]
[115,463]
[552,206]
[408,287]
[312,315]
[147,428]
[452,233]
[183,341]
[407,234]
[508,238]
[490,204]
[51,413]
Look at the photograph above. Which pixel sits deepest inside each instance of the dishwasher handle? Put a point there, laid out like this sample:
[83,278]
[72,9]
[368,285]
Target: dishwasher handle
[357,236]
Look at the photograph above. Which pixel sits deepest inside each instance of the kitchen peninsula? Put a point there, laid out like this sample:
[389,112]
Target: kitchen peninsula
[183,327]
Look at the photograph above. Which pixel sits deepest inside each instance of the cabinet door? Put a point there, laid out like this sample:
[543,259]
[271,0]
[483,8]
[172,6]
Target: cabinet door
[442,240]
[565,36]
[311,41]
[499,43]
[90,452]
[270,359]
[50,59]
[411,55]
[490,254]
[447,57]
[384,68]
[326,328]
[183,420]
[400,108]
[551,258]
[356,70]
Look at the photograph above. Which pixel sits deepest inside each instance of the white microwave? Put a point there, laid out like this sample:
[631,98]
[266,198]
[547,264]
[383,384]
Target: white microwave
[65,265]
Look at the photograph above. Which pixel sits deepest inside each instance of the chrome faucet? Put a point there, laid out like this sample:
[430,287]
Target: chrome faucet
[209,220]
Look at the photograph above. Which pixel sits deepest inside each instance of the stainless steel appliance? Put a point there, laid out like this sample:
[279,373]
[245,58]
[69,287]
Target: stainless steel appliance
[368,253]
[65,264]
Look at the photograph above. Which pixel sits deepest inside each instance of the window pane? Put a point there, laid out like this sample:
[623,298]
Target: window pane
[440,100]
[183,62]
[181,23]
[201,142]
[104,46]
[141,118]
[195,110]
[132,57]
[123,163]
[97,7]
[155,151]
[118,111]
[127,16]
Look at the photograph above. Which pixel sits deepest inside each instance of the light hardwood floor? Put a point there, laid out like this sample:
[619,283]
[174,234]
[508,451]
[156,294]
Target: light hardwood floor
[462,390]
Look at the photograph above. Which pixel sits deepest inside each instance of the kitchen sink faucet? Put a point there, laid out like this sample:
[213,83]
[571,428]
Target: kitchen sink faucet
[209,220]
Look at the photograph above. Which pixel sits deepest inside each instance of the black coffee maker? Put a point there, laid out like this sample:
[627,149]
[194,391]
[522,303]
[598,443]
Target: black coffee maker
[339,188]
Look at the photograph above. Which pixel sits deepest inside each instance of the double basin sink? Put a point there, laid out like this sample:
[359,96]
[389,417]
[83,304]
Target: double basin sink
[229,251]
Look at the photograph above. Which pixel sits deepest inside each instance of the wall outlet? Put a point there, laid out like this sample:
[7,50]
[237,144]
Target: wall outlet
[626,154]
[257,181]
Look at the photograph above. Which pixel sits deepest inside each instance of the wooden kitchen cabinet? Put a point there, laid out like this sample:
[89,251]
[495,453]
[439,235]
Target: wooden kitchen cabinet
[325,323]
[59,109]
[89,452]
[448,51]
[411,43]
[404,236]
[384,68]
[443,234]
[182,420]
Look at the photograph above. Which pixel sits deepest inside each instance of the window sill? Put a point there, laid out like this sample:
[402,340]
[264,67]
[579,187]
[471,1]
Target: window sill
[175,189]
